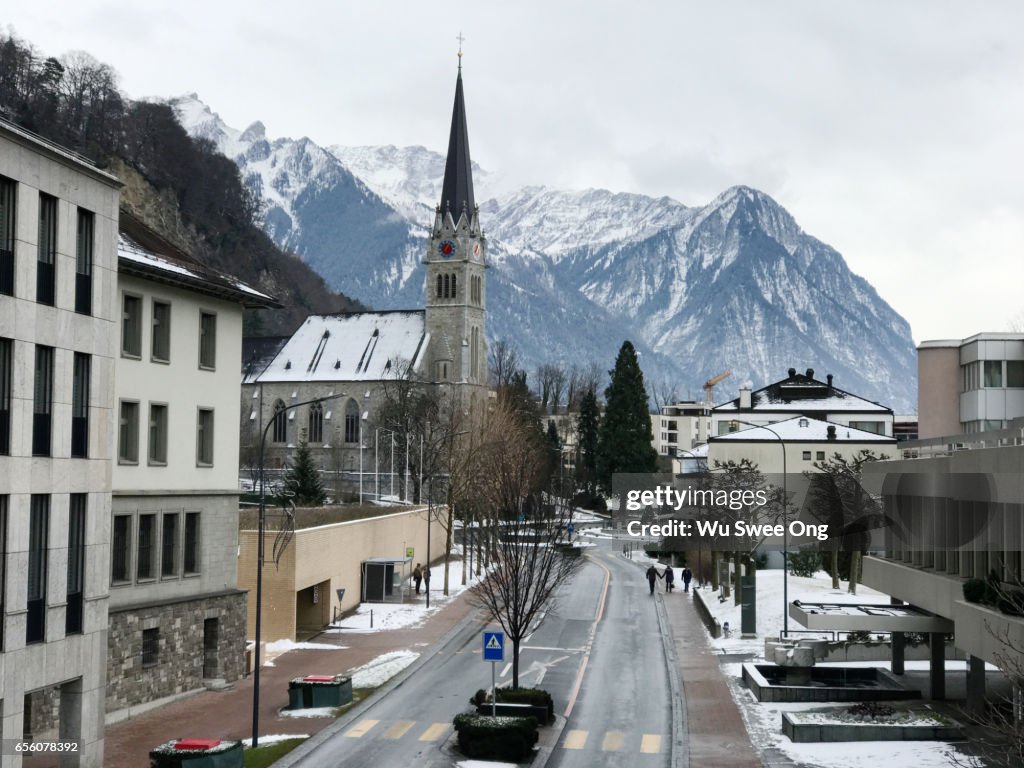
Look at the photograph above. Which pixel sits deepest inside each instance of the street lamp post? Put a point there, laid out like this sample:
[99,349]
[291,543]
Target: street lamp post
[259,557]
[785,526]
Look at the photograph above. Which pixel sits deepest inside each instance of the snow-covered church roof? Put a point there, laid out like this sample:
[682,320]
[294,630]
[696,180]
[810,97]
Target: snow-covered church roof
[356,346]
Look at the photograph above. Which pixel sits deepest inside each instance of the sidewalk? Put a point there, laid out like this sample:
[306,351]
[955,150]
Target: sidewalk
[715,729]
[228,714]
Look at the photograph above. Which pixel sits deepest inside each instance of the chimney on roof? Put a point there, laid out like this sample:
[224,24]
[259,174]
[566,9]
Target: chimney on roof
[792,372]
[831,432]
[810,373]
[828,380]
[745,397]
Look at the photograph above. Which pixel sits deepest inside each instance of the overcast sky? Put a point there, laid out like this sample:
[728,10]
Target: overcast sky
[894,131]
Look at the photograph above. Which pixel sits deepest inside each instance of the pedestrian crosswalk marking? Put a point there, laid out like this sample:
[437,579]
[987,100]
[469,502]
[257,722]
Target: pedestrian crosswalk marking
[434,732]
[650,744]
[361,728]
[613,741]
[398,730]
[575,739]
[493,643]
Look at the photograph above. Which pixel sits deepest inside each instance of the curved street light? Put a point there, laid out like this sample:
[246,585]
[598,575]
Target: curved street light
[785,527]
[259,556]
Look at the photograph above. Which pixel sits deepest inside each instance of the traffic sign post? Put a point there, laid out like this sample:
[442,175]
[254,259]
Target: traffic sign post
[494,651]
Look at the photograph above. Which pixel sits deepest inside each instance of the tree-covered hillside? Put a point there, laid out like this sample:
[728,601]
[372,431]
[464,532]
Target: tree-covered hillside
[181,186]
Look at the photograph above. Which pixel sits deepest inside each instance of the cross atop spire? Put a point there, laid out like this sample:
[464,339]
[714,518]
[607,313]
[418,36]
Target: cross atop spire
[460,38]
[457,189]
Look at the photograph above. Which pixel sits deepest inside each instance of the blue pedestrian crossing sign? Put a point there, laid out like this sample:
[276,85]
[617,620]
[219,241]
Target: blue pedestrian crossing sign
[494,646]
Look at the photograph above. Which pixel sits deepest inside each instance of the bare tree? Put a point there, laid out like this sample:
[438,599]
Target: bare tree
[526,564]
[502,362]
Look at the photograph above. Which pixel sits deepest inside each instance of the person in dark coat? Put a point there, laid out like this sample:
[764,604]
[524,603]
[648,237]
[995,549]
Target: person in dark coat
[652,576]
[670,578]
[417,577]
[687,576]
[426,578]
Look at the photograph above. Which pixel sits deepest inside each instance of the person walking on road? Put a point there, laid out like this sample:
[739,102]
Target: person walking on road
[652,576]
[426,578]
[687,576]
[417,577]
[670,578]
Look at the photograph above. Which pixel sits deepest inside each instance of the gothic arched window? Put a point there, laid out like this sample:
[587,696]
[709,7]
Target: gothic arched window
[351,422]
[439,286]
[455,292]
[280,423]
[447,286]
[316,423]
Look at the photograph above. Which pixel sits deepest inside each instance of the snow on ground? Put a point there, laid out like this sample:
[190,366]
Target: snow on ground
[283,646]
[274,738]
[817,589]
[399,615]
[764,723]
[382,669]
[308,712]
[483,764]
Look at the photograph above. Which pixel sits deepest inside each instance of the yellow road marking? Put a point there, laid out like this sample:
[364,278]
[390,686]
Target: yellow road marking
[398,730]
[613,741]
[434,732]
[575,740]
[360,728]
[650,744]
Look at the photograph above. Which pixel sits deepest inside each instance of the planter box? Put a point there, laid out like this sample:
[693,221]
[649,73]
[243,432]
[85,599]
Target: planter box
[813,732]
[197,753]
[315,691]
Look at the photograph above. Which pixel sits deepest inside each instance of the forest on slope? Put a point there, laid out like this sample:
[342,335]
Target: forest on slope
[180,186]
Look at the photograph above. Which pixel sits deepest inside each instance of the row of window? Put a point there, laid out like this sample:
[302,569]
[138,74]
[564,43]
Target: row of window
[46,248]
[148,546]
[156,452]
[991,373]
[38,564]
[315,423]
[447,288]
[42,400]
[160,332]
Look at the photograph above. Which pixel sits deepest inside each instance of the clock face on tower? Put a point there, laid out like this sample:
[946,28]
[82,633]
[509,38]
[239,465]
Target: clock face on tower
[446,248]
[476,251]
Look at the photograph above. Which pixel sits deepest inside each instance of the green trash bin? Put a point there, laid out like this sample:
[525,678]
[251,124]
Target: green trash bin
[319,691]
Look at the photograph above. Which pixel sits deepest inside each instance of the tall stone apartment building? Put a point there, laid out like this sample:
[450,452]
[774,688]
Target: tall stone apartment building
[58,320]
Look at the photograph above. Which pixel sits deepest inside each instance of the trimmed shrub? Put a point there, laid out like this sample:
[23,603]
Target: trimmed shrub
[537,697]
[975,590]
[1011,602]
[496,738]
[804,564]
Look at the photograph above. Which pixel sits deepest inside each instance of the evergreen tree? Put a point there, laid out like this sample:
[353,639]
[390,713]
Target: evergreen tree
[553,443]
[588,423]
[625,438]
[302,479]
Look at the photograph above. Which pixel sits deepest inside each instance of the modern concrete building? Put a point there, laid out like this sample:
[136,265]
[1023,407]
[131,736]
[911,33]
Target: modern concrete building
[970,385]
[300,590]
[177,617]
[680,427]
[958,509]
[58,320]
[800,394]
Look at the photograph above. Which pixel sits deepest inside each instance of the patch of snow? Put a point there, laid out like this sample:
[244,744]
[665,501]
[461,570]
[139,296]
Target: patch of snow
[283,646]
[483,764]
[388,616]
[382,669]
[308,712]
[274,738]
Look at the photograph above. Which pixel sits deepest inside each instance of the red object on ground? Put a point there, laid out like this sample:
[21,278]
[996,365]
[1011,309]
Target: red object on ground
[318,679]
[196,743]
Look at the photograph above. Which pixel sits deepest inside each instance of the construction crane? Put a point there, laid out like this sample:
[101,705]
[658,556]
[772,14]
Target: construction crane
[709,386]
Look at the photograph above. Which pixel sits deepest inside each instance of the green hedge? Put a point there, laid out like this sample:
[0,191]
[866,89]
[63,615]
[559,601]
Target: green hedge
[496,738]
[538,697]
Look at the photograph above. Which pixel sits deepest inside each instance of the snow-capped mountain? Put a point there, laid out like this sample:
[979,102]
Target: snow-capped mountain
[733,285]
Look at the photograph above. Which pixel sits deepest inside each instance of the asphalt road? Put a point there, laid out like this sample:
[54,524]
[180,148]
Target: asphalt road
[609,674]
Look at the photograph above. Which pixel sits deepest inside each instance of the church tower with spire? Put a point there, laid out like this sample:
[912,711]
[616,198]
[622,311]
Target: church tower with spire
[456,260]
